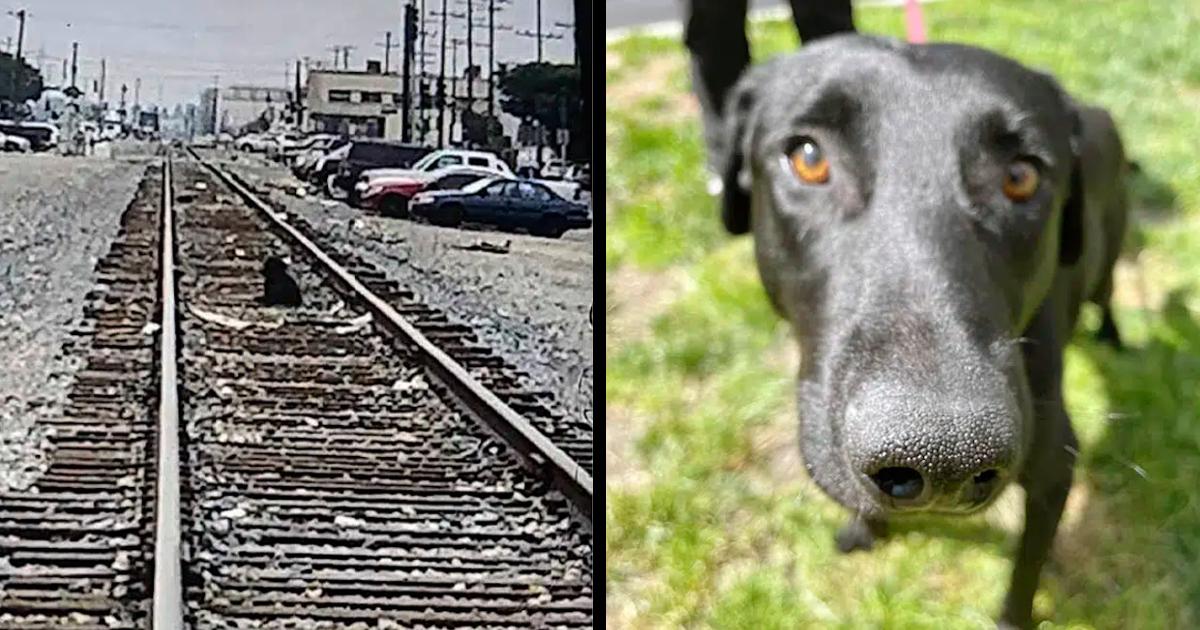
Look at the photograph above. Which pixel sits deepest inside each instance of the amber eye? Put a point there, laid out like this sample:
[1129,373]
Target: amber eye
[809,163]
[1020,180]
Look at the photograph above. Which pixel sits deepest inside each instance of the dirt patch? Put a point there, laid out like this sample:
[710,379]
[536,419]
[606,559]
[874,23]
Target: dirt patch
[653,82]
[634,298]
[623,470]
[1138,283]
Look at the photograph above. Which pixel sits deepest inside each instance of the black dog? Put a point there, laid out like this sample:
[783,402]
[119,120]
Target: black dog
[930,220]
[279,289]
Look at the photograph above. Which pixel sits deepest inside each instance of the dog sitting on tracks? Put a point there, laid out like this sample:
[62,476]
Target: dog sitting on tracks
[279,289]
[929,219]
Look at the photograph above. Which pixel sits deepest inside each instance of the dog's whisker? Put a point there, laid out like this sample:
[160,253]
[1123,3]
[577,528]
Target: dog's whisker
[1141,472]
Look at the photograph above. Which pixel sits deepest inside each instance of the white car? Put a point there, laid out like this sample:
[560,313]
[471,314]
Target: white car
[15,144]
[555,170]
[435,161]
[252,142]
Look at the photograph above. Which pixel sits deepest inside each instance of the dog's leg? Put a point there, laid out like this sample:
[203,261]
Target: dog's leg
[1047,473]
[1108,332]
[1043,509]
[860,534]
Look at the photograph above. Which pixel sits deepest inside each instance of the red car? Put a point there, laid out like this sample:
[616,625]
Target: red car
[390,196]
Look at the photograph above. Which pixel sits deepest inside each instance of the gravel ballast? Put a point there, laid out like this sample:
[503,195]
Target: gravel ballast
[529,304]
[59,216]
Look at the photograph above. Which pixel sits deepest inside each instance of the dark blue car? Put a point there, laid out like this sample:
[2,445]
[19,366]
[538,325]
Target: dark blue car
[505,203]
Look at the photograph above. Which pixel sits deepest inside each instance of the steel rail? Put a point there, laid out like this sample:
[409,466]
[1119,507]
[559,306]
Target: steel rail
[531,444]
[167,603]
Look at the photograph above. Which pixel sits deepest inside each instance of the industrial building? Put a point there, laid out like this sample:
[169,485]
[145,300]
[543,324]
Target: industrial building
[229,109]
[354,103]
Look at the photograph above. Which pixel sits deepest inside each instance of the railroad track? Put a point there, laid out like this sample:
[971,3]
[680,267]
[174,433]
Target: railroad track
[336,467]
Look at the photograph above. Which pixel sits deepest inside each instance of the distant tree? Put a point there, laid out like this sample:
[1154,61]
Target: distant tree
[27,84]
[481,130]
[545,92]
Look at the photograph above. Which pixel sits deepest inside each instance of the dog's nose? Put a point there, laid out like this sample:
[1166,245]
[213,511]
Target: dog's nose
[909,454]
[980,487]
[900,483]
[906,487]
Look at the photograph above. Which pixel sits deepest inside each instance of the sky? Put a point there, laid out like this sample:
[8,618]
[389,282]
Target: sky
[177,47]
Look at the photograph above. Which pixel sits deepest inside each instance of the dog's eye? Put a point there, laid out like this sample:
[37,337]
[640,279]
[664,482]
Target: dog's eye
[1020,180]
[809,163]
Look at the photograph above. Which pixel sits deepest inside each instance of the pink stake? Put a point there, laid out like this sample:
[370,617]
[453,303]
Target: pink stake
[914,24]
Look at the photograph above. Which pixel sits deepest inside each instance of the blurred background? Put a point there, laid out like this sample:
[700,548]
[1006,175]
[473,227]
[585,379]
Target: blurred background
[711,520]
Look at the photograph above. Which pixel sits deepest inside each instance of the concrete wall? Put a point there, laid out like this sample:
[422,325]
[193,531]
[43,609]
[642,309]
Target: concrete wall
[360,87]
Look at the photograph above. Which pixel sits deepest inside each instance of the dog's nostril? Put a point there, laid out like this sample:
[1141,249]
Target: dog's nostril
[899,483]
[983,484]
[987,476]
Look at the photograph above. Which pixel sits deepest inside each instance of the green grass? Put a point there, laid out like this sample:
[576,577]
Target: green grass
[721,535]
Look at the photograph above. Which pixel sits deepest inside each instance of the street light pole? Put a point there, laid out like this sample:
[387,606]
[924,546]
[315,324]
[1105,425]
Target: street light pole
[442,84]
[491,59]
[470,57]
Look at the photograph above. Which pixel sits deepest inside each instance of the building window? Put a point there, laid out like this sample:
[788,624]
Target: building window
[372,97]
[339,96]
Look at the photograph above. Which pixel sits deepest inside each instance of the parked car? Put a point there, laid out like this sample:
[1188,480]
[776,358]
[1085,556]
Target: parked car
[304,163]
[204,141]
[390,196]
[365,155]
[15,144]
[581,174]
[320,142]
[325,171]
[252,142]
[42,136]
[426,167]
[441,159]
[555,170]
[278,145]
[505,203]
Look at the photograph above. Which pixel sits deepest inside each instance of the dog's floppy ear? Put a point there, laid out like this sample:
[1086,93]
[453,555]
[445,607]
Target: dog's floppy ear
[1070,246]
[740,114]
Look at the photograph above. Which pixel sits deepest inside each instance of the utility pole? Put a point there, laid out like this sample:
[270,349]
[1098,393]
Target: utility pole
[74,62]
[216,102]
[583,56]
[491,58]
[103,78]
[442,84]
[387,52]
[299,99]
[422,99]
[470,58]
[539,57]
[20,15]
[410,39]
[137,92]
[20,32]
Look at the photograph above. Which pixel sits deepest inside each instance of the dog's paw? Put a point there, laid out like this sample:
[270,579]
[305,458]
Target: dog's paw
[860,535]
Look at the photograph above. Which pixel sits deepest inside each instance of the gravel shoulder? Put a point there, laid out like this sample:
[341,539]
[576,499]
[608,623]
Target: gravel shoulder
[57,218]
[529,304]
